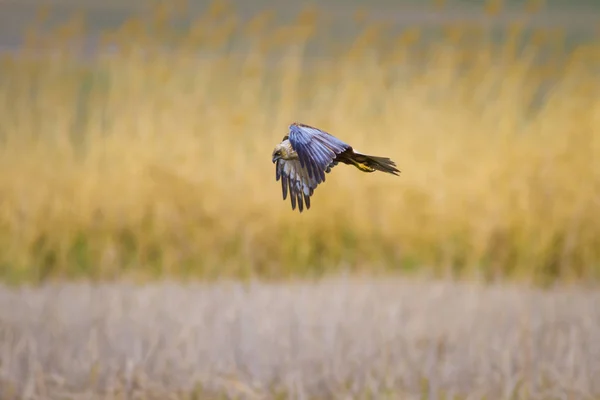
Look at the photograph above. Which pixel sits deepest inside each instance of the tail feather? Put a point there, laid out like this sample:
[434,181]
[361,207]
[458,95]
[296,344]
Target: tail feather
[373,163]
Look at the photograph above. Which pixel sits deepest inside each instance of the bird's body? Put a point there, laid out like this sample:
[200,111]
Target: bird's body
[306,154]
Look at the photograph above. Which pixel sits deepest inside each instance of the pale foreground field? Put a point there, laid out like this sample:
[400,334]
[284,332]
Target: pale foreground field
[334,339]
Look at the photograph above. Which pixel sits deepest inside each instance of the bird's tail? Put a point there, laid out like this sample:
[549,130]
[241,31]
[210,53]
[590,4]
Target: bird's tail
[368,163]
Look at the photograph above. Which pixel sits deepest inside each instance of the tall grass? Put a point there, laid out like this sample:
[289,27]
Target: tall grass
[152,157]
[334,339]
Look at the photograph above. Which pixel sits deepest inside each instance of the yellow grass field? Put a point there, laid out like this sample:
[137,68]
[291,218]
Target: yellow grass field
[157,163]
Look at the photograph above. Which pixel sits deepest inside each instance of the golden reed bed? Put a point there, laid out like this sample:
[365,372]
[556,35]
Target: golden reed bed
[157,162]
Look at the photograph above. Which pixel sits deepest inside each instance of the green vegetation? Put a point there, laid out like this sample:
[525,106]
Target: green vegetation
[156,162]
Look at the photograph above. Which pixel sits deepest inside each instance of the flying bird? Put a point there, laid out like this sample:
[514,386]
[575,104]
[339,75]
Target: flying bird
[306,154]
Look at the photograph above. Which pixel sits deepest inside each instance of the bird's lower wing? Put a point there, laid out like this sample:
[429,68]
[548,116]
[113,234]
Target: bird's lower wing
[295,180]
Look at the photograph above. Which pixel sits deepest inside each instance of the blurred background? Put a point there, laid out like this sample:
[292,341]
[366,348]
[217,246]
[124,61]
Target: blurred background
[136,138]
[136,141]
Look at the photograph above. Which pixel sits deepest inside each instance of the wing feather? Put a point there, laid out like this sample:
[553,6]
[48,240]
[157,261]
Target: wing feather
[295,179]
[284,186]
[316,149]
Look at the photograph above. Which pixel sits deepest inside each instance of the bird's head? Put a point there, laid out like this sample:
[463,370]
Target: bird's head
[283,151]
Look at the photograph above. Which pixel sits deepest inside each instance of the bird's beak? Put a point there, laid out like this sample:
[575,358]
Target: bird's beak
[275,158]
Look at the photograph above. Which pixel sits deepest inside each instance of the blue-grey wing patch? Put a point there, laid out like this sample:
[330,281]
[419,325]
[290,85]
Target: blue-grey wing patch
[316,149]
[295,180]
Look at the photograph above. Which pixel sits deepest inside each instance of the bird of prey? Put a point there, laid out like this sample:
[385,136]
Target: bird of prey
[306,154]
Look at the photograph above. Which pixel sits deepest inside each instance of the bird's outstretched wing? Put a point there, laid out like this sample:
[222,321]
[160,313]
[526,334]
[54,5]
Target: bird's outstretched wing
[295,180]
[316,149]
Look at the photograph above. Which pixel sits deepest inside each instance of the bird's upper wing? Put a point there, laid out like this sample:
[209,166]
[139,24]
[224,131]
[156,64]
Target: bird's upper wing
[316,149]
[295,179]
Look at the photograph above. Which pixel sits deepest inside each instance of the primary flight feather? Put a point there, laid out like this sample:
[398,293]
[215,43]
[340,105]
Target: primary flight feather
[306,154]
